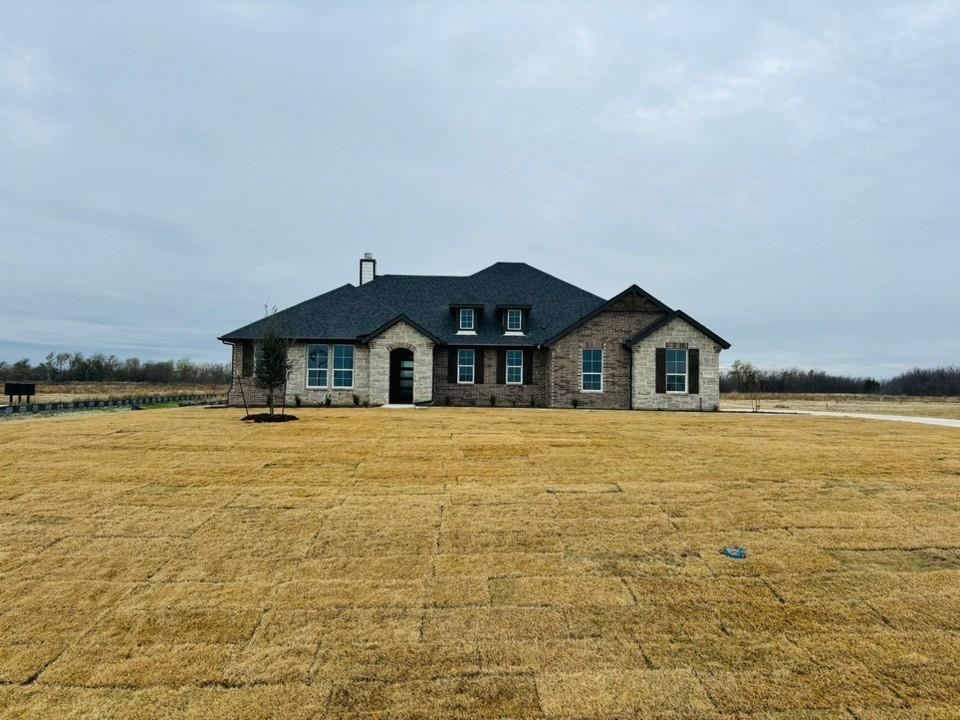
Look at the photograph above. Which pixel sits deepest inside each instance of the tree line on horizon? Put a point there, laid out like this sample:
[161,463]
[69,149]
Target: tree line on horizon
[742,377]
[922,382]
[76,367]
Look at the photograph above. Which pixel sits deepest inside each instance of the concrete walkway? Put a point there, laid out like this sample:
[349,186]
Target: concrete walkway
[941,422]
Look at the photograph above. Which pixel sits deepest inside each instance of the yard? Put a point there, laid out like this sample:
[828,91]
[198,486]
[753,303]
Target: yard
[477,563]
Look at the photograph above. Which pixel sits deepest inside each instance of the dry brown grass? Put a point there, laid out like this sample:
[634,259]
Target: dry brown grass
[478,564]
[80,391]
[945,407]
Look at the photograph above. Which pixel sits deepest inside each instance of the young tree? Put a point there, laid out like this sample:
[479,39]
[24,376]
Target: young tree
[748,378]
[272,364]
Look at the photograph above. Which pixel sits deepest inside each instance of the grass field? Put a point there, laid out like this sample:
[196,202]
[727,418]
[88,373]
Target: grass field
[450,563]
[945,407]
[68,392]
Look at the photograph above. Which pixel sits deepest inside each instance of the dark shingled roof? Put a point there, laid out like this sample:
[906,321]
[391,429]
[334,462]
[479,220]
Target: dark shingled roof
[351,313]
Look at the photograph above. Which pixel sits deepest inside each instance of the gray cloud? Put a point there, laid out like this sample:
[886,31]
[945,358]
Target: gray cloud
[785,173]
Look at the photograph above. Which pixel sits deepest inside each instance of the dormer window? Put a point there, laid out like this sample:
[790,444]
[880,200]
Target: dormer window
[466,319]
[514,320]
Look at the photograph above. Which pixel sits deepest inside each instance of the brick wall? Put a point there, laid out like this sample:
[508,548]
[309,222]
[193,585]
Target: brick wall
[645,396]
[479,394]
[606,331]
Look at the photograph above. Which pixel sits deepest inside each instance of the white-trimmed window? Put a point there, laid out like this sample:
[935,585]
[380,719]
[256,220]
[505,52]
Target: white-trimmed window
[514,320]
[676,370]
[466,319]
[591,371]
[343,366]
[514,367]
[465,366]
[317,365]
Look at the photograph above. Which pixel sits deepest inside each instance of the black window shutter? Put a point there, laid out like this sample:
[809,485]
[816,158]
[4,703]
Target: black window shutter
[478,366]
[501,367]
[527,367]
[503,320]
[246,364]
[452,365]
[661,370]
[693,370]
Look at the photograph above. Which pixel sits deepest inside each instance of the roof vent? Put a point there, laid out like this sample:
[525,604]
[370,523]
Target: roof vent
[368,268]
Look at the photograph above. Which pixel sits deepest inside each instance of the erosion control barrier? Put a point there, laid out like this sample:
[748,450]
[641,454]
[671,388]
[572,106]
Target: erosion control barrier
[106,404]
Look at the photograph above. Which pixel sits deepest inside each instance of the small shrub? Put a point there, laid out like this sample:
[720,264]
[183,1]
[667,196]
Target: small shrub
[297,401]
[328,401]
[448,401]
[356,400]
[575,402]
[366,403]
[533,402]
[493,400]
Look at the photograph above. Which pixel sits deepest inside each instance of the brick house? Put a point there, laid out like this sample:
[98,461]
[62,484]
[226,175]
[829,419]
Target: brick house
[508,332]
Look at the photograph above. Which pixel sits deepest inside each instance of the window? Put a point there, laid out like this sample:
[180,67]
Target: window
[514,367]
[317,366]
[676,371]
[343,366]
[514,320]
[465,367]
[592,371]
[466,318]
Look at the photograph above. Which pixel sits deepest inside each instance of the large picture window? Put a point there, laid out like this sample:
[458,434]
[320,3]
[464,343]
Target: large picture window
[465,366]
[317,364]
[514,367]
[343,366]
[676,371]
[514,320]
[466,318]
[592,370]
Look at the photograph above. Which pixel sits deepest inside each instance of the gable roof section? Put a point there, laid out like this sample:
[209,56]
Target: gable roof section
[632,290]
[666,320]
[398,319]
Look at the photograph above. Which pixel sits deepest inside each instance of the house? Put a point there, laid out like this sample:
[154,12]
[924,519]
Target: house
[510,333]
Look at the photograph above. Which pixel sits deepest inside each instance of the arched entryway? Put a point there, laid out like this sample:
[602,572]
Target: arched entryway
[401,376]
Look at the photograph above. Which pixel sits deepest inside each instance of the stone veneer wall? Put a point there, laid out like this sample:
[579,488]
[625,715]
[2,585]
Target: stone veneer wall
[297,383]
[607,331]
[479,393]
[253,393]
[645,396]
[400,335]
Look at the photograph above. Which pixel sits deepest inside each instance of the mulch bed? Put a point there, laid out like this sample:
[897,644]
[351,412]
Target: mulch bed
[267,417]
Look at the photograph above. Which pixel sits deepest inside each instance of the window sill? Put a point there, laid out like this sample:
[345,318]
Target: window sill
[466,332]
[592,392]
[677,392]
[315,387]
[463,382]
[514,333]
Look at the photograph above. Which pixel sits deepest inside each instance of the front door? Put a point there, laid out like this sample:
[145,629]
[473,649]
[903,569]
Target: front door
[401,376]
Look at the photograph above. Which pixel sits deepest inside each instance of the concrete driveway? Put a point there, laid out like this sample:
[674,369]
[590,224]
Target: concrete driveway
[941,422]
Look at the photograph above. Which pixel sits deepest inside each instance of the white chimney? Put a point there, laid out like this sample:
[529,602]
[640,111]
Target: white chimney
[368,268]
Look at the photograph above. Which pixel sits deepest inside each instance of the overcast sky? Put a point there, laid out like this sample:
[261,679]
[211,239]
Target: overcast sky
[787,173]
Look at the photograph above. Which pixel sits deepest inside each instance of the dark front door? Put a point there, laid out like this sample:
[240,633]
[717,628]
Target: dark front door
[401,376]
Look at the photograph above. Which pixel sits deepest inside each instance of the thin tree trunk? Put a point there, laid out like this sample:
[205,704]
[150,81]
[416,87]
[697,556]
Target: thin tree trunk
[243,395]
[283,402]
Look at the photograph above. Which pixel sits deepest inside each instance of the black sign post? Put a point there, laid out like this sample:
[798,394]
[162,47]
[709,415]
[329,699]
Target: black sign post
[19,389]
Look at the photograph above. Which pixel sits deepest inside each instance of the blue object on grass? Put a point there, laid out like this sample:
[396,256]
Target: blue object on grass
[737,553]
